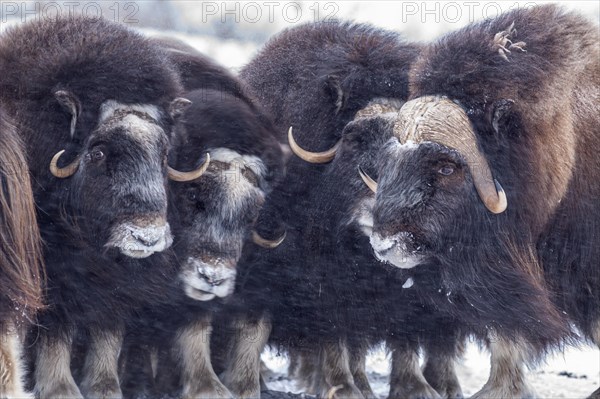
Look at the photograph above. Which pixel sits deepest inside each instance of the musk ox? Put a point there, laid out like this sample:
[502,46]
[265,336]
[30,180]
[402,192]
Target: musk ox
[321,290]
[210,217]
[20,258]
[96,105]
[490,182]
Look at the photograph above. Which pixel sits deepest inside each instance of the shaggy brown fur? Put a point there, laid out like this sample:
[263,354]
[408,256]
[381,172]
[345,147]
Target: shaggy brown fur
[528,83]
[20,258]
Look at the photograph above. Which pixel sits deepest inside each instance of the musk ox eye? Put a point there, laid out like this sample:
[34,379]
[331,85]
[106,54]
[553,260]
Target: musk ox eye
[192,196]
[446,170]
[95,155]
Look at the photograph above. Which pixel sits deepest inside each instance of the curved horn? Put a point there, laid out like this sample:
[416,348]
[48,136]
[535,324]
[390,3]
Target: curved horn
[67,171]
[189,176]
[440,120]
[372,184]
[312,157]
[263,242]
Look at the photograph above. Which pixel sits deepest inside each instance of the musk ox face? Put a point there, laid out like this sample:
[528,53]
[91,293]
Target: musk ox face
[215,215]
[419,194]
[118,179]
[430,173]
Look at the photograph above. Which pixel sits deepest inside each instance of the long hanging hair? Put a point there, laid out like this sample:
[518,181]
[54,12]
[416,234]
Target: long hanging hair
[21,266]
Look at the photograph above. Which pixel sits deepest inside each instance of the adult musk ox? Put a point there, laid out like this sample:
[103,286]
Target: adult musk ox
[211,218]
[490,180]
[321,290]
[96,105]
[20,258]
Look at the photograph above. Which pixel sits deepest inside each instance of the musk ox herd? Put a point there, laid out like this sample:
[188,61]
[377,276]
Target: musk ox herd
[163,220]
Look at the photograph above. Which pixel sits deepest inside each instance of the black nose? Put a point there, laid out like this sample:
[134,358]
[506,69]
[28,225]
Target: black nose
[147,241]
[215,282]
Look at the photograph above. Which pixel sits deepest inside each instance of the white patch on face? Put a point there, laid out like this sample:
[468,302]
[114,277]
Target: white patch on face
[409,145]
[238,187]
[143,129]
[252,162]
[394,251]
[109,107]
[140,242]
[203,281]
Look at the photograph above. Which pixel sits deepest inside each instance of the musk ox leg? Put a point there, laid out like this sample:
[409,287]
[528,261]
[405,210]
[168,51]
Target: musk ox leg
[407,380]
[336,380]
[101,369]
[358,367]
[242,371]
[294,366]
[11,373]
[440,373]
[507,375]
[135,371]
[53,378]
[303,368]
[192,350]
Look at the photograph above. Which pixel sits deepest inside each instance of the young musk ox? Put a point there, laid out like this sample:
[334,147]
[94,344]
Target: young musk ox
[96,105]
[490,182]
[211,217]
[20,258]
[321,290]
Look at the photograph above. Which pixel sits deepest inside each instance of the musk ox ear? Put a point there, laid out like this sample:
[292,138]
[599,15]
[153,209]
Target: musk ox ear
[500,111]
[178,107]
[333,88]
[70,103]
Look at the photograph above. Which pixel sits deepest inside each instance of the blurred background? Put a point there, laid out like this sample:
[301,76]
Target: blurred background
[232,31]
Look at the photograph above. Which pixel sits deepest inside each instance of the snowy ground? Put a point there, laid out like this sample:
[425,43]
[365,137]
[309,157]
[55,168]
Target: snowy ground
[573,375]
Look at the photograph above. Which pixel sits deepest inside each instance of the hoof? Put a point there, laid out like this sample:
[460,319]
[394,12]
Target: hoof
[216,390]
[59,390]
[446,385]
[522,392]
[416,391]
[343,391]
[102,390]
[241,389]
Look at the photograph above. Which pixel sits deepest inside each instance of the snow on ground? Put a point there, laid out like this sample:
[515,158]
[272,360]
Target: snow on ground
[574,374]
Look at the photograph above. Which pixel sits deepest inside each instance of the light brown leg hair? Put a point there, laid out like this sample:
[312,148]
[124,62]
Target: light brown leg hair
[242,371]
[440,373]
[53,378]
[407,380]
[358,368]
[101,369]
[305,370]
[507,375]
[334,364]
[294,367]
[192,349]
[11,372]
